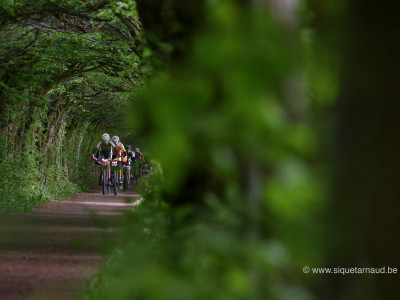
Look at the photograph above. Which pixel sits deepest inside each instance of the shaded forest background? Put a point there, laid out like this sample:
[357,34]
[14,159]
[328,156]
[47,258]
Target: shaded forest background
[273,129]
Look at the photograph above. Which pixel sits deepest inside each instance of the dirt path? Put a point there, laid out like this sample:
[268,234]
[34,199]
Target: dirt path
[50,252]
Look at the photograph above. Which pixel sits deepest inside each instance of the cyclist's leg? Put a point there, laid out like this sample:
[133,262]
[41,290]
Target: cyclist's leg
[109,157]
[101,169]
[128,175]
[120,172]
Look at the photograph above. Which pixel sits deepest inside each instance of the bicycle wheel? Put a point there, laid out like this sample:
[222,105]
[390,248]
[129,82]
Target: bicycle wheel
[125,182]
[105,180]
[108,183]
[115,182]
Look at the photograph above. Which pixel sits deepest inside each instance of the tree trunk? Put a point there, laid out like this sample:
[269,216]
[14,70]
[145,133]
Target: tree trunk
[82,134]
[366,207]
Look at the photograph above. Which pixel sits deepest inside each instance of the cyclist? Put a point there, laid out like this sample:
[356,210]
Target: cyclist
[140,155]
[131,157]
[104,149]
[121,155]
[139,160]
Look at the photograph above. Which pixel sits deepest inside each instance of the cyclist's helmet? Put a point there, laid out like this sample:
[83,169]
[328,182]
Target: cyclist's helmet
[105,137]
[129,147]
[115,139]
[137,150]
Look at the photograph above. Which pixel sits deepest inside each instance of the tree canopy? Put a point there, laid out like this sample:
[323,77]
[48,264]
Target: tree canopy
[65,64]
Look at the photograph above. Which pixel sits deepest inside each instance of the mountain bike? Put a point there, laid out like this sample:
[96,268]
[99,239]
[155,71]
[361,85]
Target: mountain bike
[104,175]
[126,177]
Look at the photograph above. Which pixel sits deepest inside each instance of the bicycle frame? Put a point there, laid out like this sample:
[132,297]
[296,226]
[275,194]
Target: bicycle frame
[105,163]
[125,177]
[114,174]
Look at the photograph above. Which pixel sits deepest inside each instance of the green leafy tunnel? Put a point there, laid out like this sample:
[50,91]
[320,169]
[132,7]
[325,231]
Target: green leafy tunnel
[66,71]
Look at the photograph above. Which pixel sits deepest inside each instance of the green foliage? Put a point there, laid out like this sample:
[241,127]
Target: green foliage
[231,208]
[150,185]
[207,259]
[201,261]
[236,214]
[31,179]
[65,72]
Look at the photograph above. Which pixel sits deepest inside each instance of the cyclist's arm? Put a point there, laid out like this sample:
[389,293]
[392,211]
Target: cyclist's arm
[96,150]
[113,147]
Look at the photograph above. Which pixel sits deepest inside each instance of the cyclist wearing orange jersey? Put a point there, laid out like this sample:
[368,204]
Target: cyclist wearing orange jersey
[121,155]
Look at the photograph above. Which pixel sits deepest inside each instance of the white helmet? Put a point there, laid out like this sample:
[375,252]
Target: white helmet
[137,150]
[105,137]
[115,139]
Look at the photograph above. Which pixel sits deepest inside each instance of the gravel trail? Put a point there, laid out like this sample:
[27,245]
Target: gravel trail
[50,252]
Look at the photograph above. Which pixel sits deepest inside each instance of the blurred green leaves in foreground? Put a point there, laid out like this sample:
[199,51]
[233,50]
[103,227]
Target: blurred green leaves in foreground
[234,212]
